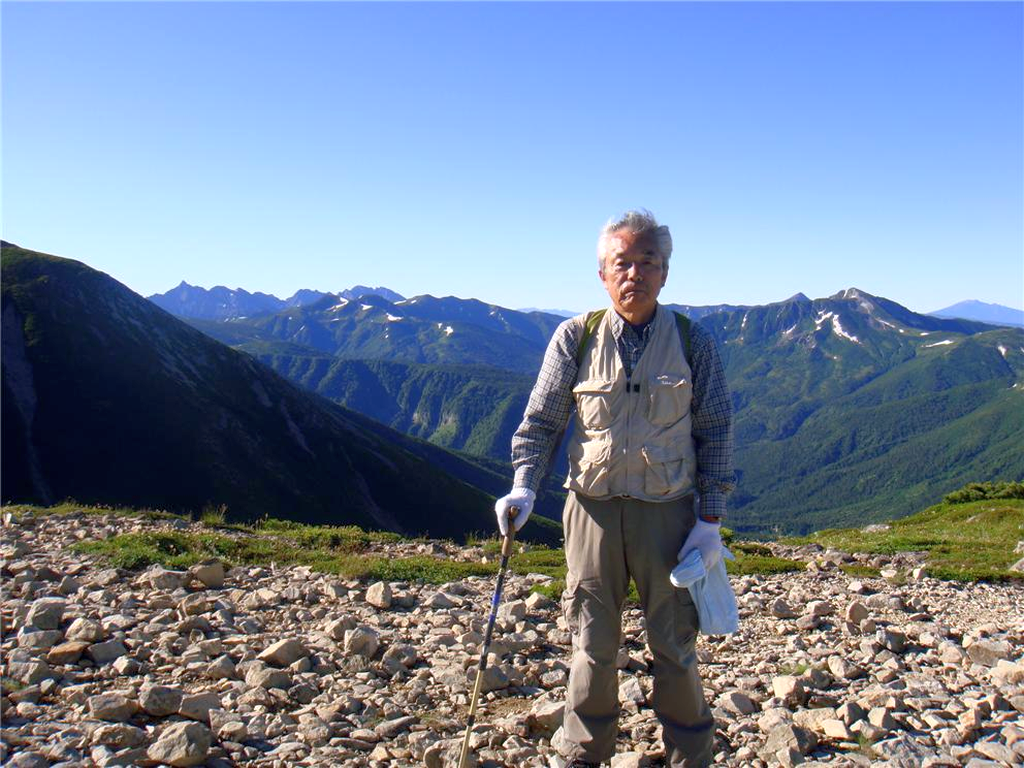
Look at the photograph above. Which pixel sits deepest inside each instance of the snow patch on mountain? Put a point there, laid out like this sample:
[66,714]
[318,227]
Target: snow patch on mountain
[394,318]
[837,327]
[1002,350]
[940,343]
[838,330]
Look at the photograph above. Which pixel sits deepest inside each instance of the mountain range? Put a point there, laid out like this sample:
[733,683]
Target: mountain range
[109,399]
[827,392]
[848,409]
[222,303]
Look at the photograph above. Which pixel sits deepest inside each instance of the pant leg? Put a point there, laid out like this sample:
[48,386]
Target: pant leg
[596,585]
[654,533]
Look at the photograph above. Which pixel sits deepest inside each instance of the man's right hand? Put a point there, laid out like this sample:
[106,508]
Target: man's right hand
[522,499]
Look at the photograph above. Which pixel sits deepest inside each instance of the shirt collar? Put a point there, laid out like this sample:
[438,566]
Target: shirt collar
[619,325]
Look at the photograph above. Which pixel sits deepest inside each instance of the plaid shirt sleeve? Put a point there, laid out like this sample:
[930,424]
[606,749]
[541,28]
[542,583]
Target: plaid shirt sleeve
[549,408]
[712,423]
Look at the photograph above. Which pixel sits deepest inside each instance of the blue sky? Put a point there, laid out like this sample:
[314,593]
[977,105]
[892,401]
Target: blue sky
[476,149]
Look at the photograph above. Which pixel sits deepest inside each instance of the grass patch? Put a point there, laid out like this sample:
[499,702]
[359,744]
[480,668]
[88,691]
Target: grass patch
[341,550]
[552,589]
[964,541]
[214,516]
[748,565]
[749,548]
[72,507]
[795,670]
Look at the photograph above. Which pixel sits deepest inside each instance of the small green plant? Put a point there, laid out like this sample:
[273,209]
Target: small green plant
[796,669]
[214,516]
[10,685]
[866,746]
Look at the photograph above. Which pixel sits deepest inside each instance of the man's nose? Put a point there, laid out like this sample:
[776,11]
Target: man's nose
[634,270]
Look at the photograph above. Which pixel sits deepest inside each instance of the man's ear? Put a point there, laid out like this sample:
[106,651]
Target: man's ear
[664,276]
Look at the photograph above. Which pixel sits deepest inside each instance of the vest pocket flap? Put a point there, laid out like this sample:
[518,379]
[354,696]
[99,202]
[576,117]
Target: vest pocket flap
[662,454]
[593,387]
[668,380]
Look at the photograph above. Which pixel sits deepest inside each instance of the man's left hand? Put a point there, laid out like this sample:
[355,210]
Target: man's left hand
[707,538]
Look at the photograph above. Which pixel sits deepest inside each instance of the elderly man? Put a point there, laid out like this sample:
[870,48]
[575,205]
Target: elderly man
[652,432]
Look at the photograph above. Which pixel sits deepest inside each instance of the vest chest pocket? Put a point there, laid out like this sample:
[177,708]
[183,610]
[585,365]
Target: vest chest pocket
[670,399]
[593,402]
[666,469]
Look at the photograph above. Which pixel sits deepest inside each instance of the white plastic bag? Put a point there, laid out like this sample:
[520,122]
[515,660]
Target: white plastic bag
[711,592]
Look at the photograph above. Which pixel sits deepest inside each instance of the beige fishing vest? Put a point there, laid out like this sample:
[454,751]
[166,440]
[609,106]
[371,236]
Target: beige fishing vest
[633,438]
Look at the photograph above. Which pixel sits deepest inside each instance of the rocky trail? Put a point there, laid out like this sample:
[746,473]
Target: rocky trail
[281,666]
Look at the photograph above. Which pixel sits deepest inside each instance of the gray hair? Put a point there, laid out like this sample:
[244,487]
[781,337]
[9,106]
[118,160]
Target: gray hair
[638,221]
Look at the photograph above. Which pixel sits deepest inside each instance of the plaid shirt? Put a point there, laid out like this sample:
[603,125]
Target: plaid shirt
[551,404]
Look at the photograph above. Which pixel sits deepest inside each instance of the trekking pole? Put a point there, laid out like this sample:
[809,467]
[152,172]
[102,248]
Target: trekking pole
[506,551]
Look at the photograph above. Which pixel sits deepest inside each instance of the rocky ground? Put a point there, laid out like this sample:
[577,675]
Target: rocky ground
[277,666]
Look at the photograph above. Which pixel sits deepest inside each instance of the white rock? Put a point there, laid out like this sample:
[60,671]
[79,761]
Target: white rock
[363,641]
[160,700]
[182,744]
[112,706]
[46,613]
[379,595]
[284,652]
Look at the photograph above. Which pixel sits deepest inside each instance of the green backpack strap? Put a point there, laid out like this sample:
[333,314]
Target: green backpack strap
[589,326]
[595,317]
[683,324]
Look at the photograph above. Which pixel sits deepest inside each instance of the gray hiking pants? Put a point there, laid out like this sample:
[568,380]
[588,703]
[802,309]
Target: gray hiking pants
[606,543]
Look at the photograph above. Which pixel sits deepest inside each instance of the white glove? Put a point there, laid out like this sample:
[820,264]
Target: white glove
[523,499]
[707,538]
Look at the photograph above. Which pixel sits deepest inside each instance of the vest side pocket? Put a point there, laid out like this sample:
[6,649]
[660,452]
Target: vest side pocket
[590,470]
[594,402]
[666,469]
[669,399]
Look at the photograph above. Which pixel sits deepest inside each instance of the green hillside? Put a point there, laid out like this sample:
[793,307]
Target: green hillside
[469,408]
[971,535]
[854,409]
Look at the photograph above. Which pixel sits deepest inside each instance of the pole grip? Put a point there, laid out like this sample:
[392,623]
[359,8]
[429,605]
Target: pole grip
[506,544]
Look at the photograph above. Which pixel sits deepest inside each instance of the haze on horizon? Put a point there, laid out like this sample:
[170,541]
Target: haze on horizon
[476,149]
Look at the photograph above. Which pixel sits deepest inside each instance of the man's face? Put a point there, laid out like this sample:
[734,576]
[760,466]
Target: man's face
[633,274]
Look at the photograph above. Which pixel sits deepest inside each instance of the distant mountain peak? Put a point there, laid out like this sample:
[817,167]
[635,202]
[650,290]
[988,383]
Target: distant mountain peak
[798,297]
[359,291]
[851,294]
[973,309]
